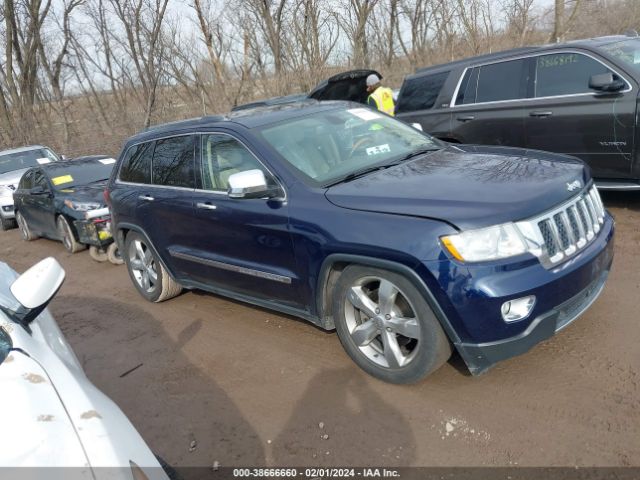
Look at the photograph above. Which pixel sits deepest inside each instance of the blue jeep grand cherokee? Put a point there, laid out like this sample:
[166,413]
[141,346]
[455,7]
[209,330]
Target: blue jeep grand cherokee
[350,219]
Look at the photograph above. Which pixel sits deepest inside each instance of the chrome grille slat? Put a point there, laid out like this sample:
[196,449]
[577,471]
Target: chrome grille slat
[564,231]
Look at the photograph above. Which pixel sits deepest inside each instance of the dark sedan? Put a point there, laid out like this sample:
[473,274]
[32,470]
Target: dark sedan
[64,201]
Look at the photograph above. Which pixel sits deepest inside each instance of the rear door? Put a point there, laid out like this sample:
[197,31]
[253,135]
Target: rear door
[565,116]
[488,104]
[242,245]
[164,206]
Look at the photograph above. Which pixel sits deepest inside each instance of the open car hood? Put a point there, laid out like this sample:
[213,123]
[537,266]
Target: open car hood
[350,86]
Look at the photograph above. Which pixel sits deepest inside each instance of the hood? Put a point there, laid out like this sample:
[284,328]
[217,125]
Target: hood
[350,86]
[468,187]
[12,178]
[85,193]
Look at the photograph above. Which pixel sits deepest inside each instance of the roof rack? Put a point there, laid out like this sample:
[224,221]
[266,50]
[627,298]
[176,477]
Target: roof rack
[187,122]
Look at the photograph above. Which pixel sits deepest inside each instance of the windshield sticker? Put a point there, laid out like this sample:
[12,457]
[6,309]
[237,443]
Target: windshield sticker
[62,179]
[364,114]
[107,161]
[378,149]
[42,161]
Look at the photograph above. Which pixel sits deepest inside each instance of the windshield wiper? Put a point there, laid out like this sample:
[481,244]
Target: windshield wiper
[415,153]
[359,173]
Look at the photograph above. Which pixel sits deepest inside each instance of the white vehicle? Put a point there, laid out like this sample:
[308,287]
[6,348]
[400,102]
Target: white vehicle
[51,414]
[13,163]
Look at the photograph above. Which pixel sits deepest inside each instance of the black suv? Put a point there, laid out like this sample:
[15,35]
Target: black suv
[578,98]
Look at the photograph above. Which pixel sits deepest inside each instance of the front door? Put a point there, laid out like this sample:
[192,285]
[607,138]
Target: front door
[565,116]
[242,245]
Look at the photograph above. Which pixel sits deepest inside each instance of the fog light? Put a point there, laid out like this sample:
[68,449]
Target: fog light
[517,309]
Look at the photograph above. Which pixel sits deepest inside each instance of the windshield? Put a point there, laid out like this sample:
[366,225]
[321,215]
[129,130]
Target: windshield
[69,175]
[29,158]
[329,145]
[628,51]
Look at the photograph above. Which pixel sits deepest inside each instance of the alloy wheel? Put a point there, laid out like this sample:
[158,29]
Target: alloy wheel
[143,266]
[382,322]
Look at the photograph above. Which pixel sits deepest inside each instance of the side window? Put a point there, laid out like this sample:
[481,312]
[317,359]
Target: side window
[26,182]
[173,161]
[468,87]
[39,180]
[421,93]
[565,74]
[136,166]
[501,81]
[222,156]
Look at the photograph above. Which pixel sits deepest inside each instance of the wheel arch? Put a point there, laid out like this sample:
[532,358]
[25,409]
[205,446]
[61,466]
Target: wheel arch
[123,230]
[333,266]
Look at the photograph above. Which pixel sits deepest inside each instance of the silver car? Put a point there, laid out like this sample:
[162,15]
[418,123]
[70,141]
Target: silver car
[13,163]
[56,417]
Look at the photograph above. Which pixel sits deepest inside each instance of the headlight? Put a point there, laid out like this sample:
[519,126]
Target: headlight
[485,244]
[82,206]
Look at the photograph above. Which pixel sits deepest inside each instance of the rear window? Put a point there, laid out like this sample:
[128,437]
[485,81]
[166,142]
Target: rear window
[421,93]
[136,166]
[501,81]
[173,162]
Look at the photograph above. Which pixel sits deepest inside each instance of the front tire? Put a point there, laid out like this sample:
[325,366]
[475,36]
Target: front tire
[146,271]
[25,230]
[113,253]
[386,326]
[69,241]
[98,254]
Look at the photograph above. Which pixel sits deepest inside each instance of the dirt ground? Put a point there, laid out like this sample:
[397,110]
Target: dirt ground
[252,387]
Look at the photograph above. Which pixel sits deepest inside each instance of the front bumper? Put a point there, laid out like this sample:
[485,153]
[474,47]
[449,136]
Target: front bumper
[94,231]
[482,356]
[471,297]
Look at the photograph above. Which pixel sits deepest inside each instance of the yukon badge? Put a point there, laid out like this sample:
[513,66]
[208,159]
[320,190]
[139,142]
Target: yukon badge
[573,185]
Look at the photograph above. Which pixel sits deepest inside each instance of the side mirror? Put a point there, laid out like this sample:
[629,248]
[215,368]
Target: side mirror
[64,157]
[39,190]
[33,291]
[604,82]
[250,184]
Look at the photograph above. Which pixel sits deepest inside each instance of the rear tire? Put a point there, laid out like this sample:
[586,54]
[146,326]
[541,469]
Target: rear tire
[113,252]
[25,231]
[7,223]
[386,326]
[146,271]
[69,241]
[98,254]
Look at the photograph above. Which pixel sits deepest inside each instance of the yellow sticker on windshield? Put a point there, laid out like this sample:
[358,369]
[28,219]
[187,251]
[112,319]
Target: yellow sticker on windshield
[62,179]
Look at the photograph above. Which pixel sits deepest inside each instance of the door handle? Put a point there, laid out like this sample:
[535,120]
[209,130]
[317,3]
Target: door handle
[206,206]
[466,118]
[148,198]
[540,114]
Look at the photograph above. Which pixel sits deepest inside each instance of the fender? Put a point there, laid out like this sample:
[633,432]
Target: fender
[399,268]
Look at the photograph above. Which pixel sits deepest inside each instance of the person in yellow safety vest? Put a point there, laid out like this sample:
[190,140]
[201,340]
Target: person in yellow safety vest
[379,97]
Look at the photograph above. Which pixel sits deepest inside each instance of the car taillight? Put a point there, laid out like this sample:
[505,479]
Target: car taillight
[107,197]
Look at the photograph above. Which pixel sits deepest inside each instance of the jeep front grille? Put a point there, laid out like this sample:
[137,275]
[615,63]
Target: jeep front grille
[564,231]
